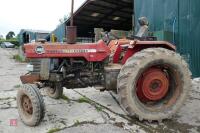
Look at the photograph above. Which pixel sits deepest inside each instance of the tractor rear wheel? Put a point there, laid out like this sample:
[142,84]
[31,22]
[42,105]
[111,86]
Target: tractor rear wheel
[153,84]
[30,105]
[55,91]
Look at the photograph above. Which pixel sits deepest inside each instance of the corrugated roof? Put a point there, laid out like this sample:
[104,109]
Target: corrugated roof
[112,14]
[34,31]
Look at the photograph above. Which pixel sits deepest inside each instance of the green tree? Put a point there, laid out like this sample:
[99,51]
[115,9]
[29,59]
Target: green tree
[10,35]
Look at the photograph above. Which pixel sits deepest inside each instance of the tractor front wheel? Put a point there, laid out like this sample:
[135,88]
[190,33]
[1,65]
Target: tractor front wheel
[154,84]
[55,91]
[30,105]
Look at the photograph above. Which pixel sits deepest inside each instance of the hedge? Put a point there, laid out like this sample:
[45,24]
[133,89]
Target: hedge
[14,41]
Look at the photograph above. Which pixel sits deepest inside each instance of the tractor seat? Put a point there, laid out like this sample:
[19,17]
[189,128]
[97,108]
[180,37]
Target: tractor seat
[142,34]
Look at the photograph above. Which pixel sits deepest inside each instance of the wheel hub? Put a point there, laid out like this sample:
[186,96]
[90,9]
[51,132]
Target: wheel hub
[153,85]
[27,105]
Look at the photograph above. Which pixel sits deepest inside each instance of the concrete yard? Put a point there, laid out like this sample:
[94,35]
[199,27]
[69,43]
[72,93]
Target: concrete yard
[85,110]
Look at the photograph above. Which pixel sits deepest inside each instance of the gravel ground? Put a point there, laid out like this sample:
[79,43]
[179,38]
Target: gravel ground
[72,115]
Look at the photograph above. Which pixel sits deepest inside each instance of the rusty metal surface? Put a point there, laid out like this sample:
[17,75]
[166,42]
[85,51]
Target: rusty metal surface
[71,34]
[45,69]
[111,74]
[29,79]
[27,105]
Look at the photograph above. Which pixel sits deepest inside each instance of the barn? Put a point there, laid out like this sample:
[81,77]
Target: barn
[176,21]
[105,14]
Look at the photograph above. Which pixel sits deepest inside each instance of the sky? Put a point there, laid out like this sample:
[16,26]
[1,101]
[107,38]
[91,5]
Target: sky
[33,14]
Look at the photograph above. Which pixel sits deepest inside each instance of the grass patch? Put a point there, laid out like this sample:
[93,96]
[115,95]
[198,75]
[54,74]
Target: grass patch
[65,98]
[87,100]
[84,100]
[18,58]
[16,47]
[99,108]
[54,130]
[17,86]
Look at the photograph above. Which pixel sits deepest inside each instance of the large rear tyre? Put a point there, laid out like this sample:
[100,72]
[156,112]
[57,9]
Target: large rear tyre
[55,91]
[30,105]
[154,84]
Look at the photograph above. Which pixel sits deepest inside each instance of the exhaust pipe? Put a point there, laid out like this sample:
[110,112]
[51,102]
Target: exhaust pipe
[71,31]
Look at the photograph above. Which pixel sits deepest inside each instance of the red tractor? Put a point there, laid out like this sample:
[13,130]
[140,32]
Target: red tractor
[151,79]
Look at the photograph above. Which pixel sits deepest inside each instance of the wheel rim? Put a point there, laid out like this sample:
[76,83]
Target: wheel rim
[153,85]
[27,105]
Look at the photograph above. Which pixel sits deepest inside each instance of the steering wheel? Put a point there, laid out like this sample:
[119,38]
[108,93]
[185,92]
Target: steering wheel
[108,36]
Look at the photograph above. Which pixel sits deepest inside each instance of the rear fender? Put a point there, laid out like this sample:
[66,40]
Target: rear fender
[136,46]
[150,44]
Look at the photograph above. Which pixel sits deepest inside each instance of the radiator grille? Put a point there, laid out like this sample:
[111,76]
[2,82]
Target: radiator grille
[36,65]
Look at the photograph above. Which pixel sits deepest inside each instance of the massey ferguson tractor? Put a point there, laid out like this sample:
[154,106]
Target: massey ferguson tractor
[151,79]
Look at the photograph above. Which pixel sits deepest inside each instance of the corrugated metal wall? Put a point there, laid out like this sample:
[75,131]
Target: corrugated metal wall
[189,31]
[59,32]
[182,18]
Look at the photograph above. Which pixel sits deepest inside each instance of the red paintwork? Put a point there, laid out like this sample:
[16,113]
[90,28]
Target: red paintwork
[153,85]
[102,51]
[117,54]
[134,47]
[58,50]
[130,52]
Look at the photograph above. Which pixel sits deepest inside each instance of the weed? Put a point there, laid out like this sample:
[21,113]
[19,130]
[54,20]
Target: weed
[98,108]
[16,47]
[87,100]
[17,58]
[17,86]
[84,100]
[54,130]
[65,98]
